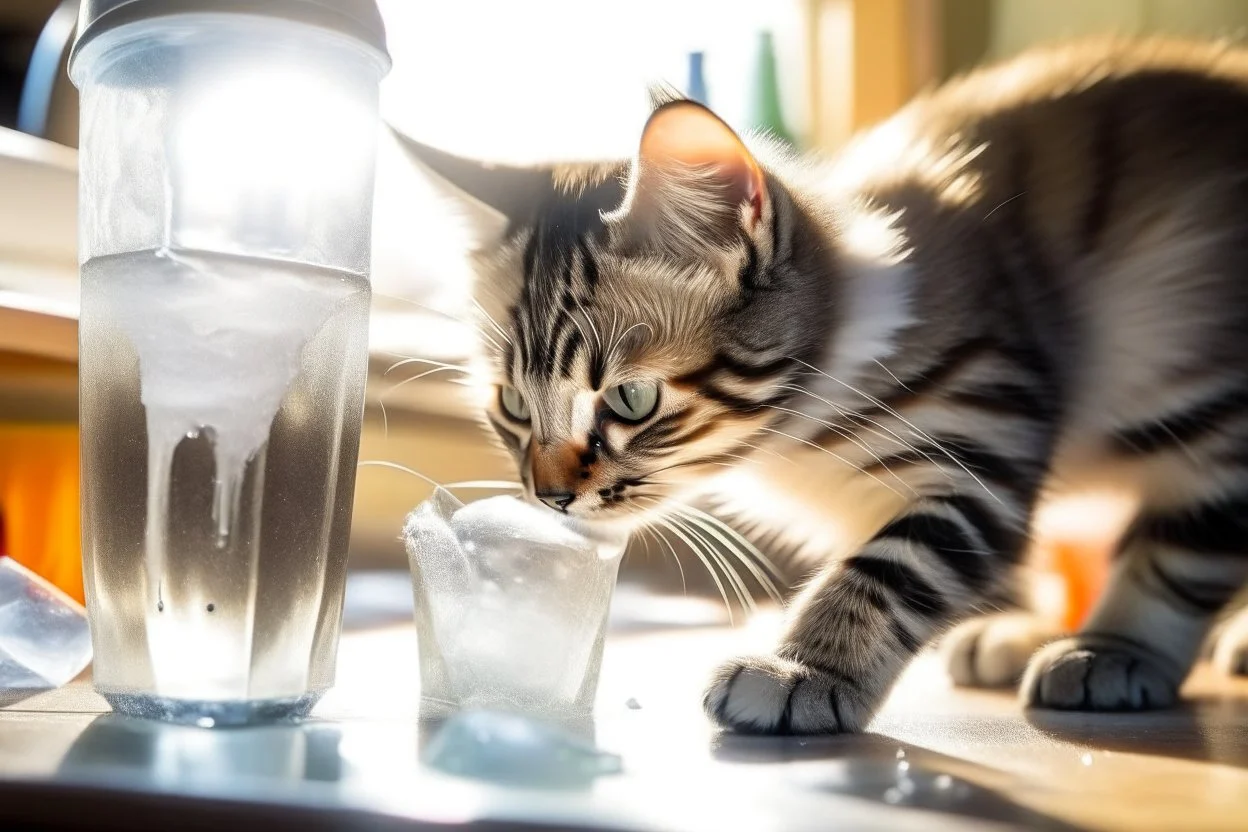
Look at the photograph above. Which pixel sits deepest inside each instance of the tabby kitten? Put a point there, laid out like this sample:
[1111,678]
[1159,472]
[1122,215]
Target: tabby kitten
[1032,280]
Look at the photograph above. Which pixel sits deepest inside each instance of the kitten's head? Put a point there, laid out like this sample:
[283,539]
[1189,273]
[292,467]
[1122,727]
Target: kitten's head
[643,316]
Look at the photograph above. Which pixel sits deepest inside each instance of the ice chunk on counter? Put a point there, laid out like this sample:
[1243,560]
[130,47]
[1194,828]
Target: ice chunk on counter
[44,639]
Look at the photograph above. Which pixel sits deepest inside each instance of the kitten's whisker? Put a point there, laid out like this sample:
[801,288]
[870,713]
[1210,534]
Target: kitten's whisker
[892,375]
[719,584]
[712,526]
[835,456]
[739,589]
[490,318]
[443,364]
[592,326]
[750,547]
[576,323]
[484,485]
[688,464]
[416,377]
[848,436]
[858,417]
[917,430]
[490,485]
[764,449]
[382,463]
[684,586]
[620,340]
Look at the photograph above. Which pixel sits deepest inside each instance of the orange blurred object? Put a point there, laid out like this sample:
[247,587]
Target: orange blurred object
[39,502]
[1082,566]
[1075,539]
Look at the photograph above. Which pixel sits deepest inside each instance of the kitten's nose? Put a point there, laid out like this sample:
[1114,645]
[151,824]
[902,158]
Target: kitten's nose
[558,500]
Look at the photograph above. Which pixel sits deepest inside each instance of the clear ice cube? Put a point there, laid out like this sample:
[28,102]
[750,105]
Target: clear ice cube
[44,639]
[511,605]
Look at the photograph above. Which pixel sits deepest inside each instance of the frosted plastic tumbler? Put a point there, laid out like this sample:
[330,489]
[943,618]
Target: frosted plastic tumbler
[227,155]
[512,603]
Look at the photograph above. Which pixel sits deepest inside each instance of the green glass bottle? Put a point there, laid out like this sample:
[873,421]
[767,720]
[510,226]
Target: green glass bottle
[766,113]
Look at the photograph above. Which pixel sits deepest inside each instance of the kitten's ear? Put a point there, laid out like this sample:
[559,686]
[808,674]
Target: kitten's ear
[694,183]
[499,196]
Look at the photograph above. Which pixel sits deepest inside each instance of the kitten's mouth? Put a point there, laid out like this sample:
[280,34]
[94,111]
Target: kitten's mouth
[609,513]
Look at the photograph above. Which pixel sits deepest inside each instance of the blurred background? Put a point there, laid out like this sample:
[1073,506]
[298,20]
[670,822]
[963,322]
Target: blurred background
[509,80]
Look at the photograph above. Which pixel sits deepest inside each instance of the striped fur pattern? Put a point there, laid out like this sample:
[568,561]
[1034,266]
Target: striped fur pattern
[1032,280]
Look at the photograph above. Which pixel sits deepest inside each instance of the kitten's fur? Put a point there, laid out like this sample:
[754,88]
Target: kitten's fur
[1034,278]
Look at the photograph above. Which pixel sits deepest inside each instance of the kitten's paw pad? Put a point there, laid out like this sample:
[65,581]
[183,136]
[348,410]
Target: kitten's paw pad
[771,695]
[993,651]
[1230,647]
[1098,673]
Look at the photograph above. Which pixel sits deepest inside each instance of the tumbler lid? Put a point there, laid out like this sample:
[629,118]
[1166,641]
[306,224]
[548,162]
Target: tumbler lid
[359,19]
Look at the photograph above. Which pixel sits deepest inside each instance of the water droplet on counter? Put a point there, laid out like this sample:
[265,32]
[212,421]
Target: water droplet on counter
[903,766]
[901,753]
[632,704]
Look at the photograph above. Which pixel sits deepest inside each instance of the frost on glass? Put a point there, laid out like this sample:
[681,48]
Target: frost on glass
[511,605]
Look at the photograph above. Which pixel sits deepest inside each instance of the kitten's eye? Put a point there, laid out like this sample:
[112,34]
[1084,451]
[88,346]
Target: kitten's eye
[634,400]
[515,405]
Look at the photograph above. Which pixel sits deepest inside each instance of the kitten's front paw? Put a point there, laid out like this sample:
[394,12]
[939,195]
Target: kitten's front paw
[992,651]
[1098,673]
[771,695]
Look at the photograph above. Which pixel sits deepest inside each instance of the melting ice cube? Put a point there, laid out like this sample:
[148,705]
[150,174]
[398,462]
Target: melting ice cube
[511,604]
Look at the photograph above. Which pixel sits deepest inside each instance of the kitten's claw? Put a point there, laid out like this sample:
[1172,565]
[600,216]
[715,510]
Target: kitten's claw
[1098,673]
[771,695]
[992,651]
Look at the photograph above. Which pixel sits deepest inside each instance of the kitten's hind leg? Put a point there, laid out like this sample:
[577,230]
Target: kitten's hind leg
[1171,578]
[992,651]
